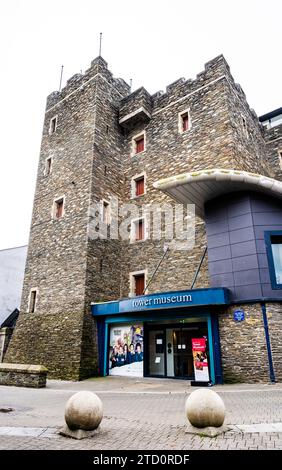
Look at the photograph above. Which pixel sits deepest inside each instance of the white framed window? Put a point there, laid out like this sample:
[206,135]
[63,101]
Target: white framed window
[138,185]
[280,158]
[53,125]
[137,282]
[48,166]
[32,300]
[58,209]
[138,143]
[184,121]
[106,212]
[138,230]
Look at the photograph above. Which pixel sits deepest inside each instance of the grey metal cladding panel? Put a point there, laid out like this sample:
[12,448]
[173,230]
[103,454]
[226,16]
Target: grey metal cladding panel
[265,205]
[245,262]
[219,239]
[219,253]
[242,235]
[242,207]
[267,218]
[215,214]
[264,276]
[220,226]
[219,267]
[222,280]
[267,291]
[240,221]
[261,248]
[252,291]
[262,260]
[247,277]
[260,229]
[243,248]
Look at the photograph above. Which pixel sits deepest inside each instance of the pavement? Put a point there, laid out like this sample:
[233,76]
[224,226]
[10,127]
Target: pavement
[145,414]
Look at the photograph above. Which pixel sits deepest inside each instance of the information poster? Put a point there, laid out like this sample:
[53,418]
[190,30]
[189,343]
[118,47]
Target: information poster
[126,350]
[200,360]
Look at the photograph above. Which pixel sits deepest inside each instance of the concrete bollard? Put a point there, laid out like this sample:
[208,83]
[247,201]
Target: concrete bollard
[83,415]
[205,411]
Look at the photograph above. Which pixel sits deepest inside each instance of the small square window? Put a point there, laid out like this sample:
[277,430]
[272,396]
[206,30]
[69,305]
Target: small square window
[59,208]
[273,242]
[184,123]
[32,300]
[139,144]
[139,284]
[53,125]
[137,281]
[48,166]
[106,212]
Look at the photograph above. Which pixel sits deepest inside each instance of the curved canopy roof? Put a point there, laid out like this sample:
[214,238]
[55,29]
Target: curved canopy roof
[198,187]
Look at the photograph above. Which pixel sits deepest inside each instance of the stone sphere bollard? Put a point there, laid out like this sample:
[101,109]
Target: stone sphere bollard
[84,410]
[205,408]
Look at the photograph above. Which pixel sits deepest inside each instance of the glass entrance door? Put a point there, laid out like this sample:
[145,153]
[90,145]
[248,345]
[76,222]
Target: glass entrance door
[182,352]
[169,349]
[156,350]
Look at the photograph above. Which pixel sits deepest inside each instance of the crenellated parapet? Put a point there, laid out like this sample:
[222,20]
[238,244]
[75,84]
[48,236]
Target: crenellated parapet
[99,67]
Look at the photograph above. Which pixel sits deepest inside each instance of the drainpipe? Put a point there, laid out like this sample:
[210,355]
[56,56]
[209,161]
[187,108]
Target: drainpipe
[267,339]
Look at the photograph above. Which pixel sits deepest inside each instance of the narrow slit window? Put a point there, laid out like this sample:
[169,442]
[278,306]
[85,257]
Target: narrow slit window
[53,125]
[244,124]
[280,158]
[185,122]
[32,301]
[59,208]
[48,166]
[139,229]
[106,212]
[139,186]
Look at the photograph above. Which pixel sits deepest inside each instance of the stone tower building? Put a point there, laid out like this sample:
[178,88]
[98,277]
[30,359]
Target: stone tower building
[101,143]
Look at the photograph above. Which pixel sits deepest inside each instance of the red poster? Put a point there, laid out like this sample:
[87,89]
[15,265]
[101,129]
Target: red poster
[200,359]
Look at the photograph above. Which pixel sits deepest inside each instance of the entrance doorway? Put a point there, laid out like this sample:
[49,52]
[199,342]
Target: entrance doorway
[169,350]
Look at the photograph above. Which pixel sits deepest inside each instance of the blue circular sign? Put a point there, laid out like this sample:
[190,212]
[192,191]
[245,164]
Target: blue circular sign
[239,315]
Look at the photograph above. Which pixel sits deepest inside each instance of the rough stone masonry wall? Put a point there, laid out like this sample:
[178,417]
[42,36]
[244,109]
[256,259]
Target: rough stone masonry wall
[52,340]
[273,139]
[105,256]
[61,333]
[243,344]
[23,375]
[274,315]
[207,144]
[138,99]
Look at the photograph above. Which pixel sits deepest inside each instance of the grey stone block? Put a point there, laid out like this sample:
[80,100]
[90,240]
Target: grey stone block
[78,433]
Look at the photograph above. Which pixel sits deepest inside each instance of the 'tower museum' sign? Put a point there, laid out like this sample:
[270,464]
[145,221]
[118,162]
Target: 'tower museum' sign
[168,300]
[151,301]
[163,300]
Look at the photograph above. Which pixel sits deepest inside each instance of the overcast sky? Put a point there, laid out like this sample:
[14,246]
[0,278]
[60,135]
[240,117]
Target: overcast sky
[154,42]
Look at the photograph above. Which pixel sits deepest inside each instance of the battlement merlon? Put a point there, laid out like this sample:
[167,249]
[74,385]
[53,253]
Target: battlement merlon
[141,103]
[98,67]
